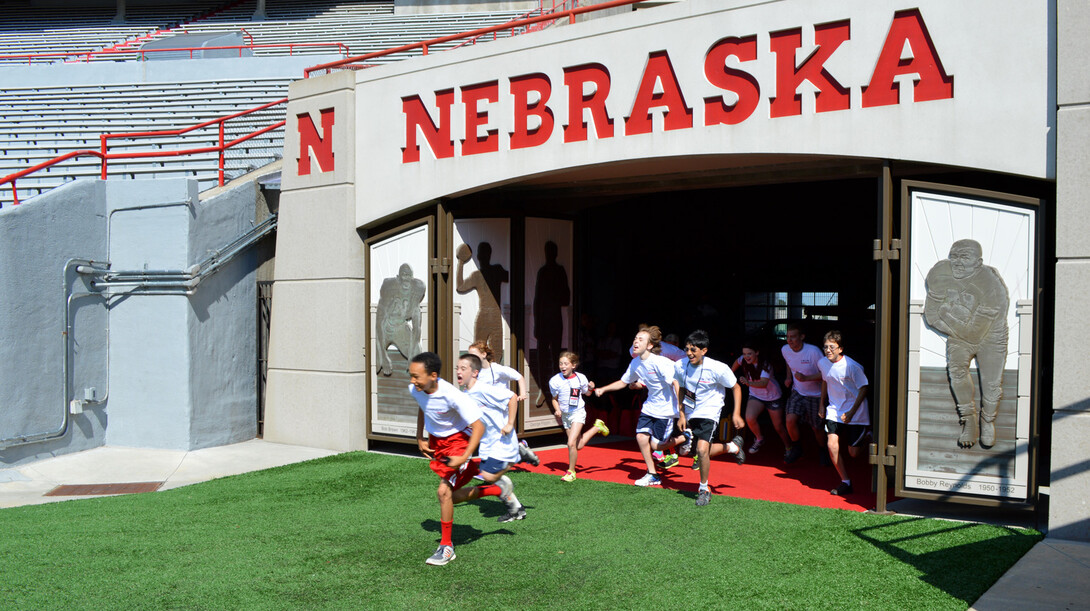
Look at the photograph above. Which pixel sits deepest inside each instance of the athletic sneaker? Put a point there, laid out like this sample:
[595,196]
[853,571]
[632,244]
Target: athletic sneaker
[568,477]
[669,461]
[649,479]
[527,455]
[687,446]
[602,428]
[702,497]
[506,487]
[696,463]
[756,447]
[843,489]
[443,555]
[741,455]
[518,513]
[793,453]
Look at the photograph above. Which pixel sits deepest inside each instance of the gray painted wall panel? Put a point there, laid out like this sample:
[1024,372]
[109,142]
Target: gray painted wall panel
[36,239]
[222,325]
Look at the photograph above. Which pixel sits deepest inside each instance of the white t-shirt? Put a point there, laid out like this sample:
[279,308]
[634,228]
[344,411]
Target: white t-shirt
[657,374]
[447,410]
[498,375]
[843,379]
[569,392]
[494,402]
[770,391]
[703,387]
[804,361]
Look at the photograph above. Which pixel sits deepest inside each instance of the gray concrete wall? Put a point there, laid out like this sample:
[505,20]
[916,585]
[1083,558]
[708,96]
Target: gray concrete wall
[177,371]
[149,225]
[222,325]
[36,239]
[1069,505]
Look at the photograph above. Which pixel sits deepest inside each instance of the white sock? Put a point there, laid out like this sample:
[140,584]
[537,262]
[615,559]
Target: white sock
[513,500]
[847,481]
[703,485]
[735,446]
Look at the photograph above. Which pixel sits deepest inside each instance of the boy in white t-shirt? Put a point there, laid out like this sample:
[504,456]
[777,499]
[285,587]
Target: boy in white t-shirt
[495,374]
[804,380]
[455,427]
[659,417]
[499,445]
[567,389]
[844,390]
[702,385]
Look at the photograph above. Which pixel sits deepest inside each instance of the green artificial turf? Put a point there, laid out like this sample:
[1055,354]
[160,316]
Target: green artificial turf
[352,532]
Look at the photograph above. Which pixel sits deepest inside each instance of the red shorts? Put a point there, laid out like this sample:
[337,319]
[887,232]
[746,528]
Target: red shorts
[454,445]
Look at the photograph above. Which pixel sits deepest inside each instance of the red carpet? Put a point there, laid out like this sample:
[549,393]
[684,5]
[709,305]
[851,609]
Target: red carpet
[763,476]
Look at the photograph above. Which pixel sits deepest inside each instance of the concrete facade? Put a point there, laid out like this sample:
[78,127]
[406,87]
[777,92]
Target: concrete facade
[164,371]
[1048,142]
[317,371]
[1069,502]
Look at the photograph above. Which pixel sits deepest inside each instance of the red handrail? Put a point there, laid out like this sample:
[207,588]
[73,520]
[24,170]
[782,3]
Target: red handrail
[87,55]
[104,155]
[510,25]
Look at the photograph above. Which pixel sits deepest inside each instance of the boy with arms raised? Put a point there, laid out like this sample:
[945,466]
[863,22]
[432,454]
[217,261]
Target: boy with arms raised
[845,386]
[455,427]
[703,383]
[654,429]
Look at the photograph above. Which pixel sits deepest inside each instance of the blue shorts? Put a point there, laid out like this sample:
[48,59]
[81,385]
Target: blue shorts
[660,429]
[494,465]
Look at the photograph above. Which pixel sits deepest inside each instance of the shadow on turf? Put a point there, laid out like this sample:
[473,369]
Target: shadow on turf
[462,533]
[941,567]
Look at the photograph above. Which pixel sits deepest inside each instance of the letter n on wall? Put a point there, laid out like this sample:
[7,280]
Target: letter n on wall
[311,142]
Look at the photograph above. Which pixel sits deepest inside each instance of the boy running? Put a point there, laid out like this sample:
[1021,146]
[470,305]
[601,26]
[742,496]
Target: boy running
[845,386]
[499,445]
[567,389]
[654,429]
[455,427]
[703,383]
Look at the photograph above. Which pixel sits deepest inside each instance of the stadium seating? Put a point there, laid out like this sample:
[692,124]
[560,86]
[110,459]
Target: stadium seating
[40,123]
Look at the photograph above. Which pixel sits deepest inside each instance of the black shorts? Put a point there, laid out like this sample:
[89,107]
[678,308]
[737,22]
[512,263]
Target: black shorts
[853,434]
[703,428]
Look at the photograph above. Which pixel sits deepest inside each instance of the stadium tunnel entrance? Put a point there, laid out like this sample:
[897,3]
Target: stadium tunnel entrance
[738,254]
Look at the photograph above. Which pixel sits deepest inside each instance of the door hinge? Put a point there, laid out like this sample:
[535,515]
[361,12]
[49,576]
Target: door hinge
[440,266]
[888,459]
[893,252]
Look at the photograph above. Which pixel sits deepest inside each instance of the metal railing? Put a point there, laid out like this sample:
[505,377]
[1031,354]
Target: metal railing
[105,156]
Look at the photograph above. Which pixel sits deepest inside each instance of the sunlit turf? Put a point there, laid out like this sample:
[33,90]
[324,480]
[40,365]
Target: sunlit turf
[352,532]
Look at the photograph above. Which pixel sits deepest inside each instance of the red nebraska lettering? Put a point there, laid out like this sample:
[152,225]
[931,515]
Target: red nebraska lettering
[740,82]
[678,115]
[417,118]
[310,141]
[589,87]
[831,95]
[472,95]
[521,86]
[576,79]
[933,82]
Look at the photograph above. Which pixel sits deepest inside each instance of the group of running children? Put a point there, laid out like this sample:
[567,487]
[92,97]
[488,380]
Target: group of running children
[482,417]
